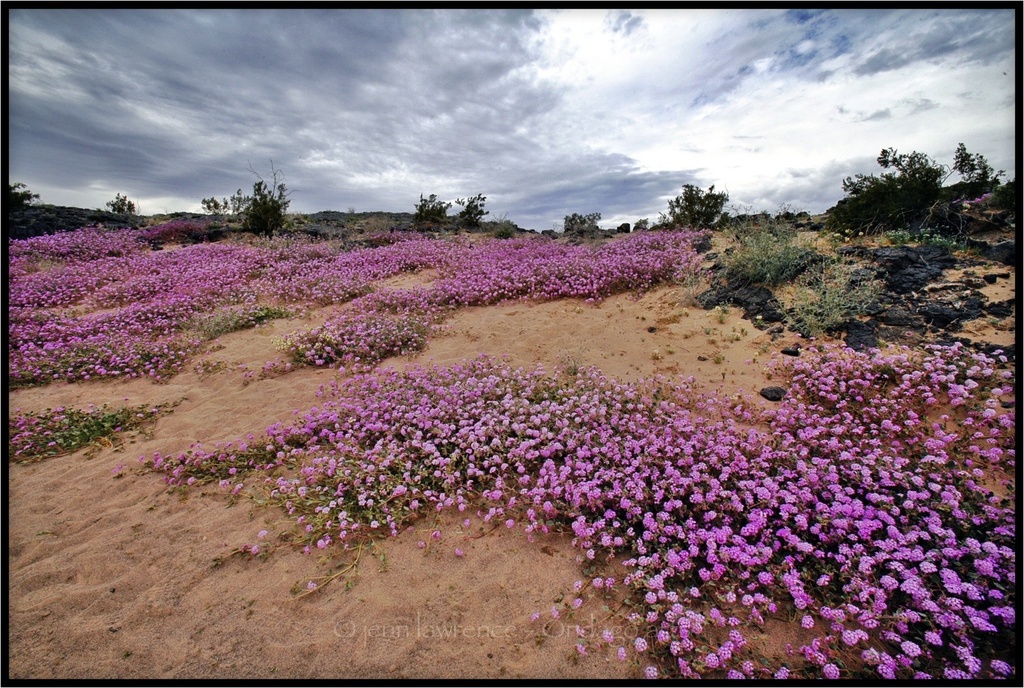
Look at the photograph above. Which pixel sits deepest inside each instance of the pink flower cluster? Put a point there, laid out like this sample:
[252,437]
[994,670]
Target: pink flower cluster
[848,505]
[386,323]
[94,303]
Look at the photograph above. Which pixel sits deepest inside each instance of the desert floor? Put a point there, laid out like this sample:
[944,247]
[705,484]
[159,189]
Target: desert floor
[113,575]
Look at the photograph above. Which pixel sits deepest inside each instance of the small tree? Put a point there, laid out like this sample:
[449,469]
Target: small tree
[122,205]
[977,176]
[236,205]
[214,207]
[694,208]
[264,212]
[910,193]
[431,210]
[19,196]
[580,223]
[472,210]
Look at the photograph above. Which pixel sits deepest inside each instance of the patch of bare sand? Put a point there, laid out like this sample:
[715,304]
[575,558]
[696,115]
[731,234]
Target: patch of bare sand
[626,337]
[115,577]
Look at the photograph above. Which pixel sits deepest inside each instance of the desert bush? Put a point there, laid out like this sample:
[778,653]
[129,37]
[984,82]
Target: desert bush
[694,208]
[472,210]
[431,210]
[264,213]
[932,237]
[235,205]
[580,223]
[504,230]
[767,253]
[178,231]
[213,206]
[122,205]
[977,176]
[19,196]
[690,285]
[59,431]
[377,223]
[1005,196]
[213,324]
[829,295]
[911,194]
[641,225]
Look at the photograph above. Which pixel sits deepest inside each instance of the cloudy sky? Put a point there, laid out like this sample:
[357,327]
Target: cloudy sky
[546,112]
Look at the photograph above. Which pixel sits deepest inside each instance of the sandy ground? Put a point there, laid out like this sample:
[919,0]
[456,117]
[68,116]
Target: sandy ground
[110,575]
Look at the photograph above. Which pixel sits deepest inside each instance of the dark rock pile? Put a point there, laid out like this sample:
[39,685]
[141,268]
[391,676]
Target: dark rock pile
[37,220]
[914,305]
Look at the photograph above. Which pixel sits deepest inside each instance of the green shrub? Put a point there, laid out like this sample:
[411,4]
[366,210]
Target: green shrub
[19,196]
[977,176]
[926,236]
[504,230]
[1005,196]
[472,210]
[55,432]
[431,210]
[767,253]
[829,295]
[694,208]
[574,223]
[912,193]
[236,205]
[264,212]
[122,205]
[234,318]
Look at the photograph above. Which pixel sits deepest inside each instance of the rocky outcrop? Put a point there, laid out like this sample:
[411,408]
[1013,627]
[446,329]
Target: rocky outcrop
[758,303]
[37,220]
[905,269]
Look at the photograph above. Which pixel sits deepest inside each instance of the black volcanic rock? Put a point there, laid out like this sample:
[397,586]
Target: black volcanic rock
[754,300]
[773,393]
[37,220]
[860,335]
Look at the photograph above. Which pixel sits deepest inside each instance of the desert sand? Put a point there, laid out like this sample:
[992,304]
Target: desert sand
[113,575]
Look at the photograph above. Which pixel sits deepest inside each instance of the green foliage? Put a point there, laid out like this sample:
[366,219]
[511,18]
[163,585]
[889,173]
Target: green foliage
[767,252]
[829,295]
[19,196]
[213,206]
[504,230]
[1005,196]
[431,210]
[59,431]
[910,193]
[122,205]
[234,318]
[580,223]
[641,225]
[472,210]
[264,213]
[931,237]
[977,176]
[236,205]
[694,208]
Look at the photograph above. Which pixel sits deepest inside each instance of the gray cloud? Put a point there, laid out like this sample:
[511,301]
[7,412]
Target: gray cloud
[624,22]
[965,36]
[371,108]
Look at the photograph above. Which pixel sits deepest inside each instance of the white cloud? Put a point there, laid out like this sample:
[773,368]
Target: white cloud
[545,113]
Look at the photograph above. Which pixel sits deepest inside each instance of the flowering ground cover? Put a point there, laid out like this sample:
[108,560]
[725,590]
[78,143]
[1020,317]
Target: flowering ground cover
[888,533]
[873,506]
[55,432]
[92,304]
